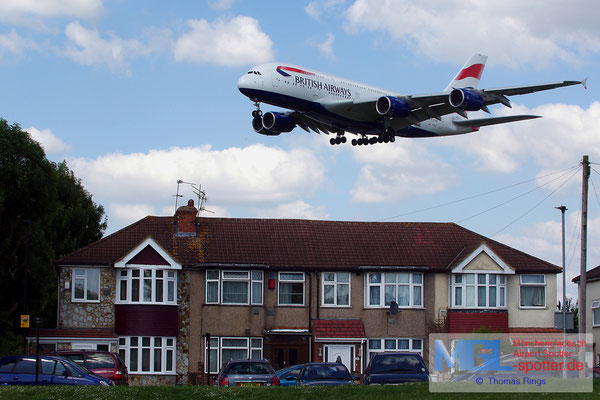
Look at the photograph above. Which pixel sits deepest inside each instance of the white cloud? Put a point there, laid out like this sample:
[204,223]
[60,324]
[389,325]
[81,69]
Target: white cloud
[86,47]
[255,176]
[229,42]
[14,45]
[221,4]
[48,140]
[398,171]
[297,209]
[556,141]
[17,10]
[326,47]
[507,31]
[317,9]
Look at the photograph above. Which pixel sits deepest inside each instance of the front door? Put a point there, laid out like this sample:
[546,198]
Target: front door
[341,353]
[284,356]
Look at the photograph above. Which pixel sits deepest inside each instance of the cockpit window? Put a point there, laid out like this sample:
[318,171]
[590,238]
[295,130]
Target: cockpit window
[254,72]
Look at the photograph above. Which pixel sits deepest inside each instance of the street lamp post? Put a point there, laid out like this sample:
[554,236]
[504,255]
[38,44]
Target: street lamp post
[564,302]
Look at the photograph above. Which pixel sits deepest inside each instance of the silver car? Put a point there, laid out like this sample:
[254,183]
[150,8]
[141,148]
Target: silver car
[247,373]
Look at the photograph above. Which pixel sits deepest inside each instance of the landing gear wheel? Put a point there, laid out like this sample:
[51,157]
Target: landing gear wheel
[343,139]
[353,142]
[332,141]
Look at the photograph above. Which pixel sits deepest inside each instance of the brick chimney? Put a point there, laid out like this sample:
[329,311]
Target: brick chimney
[185,220]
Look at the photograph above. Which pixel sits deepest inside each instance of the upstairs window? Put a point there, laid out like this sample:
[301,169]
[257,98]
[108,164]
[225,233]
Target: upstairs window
[291,288]
[336,288]
[478,290]
[596,313]
[533,291]
[146,286]
[86,285]
[406,289]
[234,287]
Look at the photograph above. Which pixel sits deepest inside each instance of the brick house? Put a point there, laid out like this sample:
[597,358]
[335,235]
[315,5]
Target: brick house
[178,296]
[592,312]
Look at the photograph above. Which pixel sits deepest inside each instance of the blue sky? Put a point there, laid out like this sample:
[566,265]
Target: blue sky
[135,95]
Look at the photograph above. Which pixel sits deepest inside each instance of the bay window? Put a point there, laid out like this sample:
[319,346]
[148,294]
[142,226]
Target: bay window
[148,354]
[471,290]
[533,291]
[406,289]
[146,286]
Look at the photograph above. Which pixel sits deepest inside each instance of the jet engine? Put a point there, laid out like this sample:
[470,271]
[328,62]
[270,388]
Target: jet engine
[257,125]
[278,122]
[465,99]
[392,106]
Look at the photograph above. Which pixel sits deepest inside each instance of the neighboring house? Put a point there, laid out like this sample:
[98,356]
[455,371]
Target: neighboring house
[592,312]
[178,296]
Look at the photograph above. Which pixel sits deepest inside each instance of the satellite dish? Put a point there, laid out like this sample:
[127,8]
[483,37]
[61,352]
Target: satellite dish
[393,308]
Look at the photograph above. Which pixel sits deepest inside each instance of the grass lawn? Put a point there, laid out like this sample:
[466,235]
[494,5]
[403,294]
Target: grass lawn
[409,391]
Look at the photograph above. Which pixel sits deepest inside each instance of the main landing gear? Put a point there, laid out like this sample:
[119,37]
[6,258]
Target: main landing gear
[386,137]
[337,140]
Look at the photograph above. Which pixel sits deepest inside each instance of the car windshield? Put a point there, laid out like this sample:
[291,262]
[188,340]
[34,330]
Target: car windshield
[397,363]
[324,372]
[249,369]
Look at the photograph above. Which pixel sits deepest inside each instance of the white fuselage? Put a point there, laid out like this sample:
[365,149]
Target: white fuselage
[334,100]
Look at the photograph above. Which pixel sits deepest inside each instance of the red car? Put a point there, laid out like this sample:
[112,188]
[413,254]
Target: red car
[103,363]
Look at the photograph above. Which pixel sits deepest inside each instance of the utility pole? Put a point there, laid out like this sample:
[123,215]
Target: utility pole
[564,302]
[584,211]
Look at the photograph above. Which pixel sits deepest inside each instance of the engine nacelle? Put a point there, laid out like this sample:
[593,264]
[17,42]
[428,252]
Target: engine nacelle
[465,99]
[257,125]
[278,122]
[392,106]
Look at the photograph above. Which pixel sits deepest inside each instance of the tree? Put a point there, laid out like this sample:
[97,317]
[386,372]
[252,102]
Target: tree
[45,213]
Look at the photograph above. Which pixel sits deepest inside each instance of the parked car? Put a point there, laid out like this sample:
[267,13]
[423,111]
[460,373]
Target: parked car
[20,370]
[285,373]
[394,368]
[324,374]
[247,373]
[103,363]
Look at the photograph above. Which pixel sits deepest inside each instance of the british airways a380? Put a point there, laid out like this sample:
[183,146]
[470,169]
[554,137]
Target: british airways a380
[325,103]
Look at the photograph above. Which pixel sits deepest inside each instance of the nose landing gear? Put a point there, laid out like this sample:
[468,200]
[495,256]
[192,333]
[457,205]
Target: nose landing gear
[337,140]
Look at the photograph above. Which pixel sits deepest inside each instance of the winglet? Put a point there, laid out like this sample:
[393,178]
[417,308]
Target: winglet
[584,83]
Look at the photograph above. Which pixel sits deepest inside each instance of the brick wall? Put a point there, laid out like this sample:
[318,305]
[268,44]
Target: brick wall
[466,321]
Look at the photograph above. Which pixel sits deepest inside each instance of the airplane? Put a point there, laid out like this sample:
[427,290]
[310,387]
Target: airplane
[325,103]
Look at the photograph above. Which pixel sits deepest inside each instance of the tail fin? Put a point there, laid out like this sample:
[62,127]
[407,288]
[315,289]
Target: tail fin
[470,73]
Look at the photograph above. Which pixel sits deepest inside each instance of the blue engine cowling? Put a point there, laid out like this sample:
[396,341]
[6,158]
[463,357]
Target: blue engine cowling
[465,99]
[278,122]
[257,125]
[392,106]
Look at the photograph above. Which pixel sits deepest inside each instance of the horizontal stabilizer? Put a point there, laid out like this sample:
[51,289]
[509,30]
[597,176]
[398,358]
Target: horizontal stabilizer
[494,121]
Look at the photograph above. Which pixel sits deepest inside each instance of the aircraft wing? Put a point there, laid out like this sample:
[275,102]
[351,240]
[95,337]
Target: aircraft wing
[493,121]
[434,105]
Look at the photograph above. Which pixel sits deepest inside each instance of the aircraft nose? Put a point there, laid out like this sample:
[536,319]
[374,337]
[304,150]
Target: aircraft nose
[243,82]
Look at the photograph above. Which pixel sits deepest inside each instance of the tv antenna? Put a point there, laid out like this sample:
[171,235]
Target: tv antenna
[197,190]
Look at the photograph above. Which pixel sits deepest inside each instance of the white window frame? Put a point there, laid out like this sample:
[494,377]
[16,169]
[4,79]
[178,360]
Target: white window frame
[86,280]
[255,283]
[595,313]
[382,346]
[386,280]
[336,283]
[285,281]
[500,286]
[250,347]
[168,282]
[167,345]
[536,284]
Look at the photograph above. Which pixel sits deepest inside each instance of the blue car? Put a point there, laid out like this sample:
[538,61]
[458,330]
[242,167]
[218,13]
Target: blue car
[286,375]
[395,368]
[324,374]
[53,370]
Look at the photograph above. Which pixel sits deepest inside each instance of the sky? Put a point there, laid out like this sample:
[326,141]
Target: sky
[136,95]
